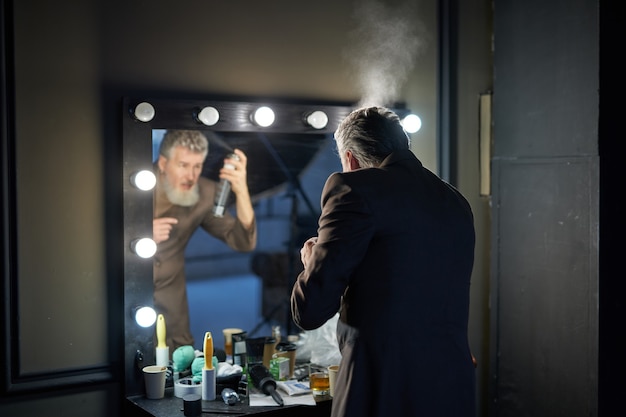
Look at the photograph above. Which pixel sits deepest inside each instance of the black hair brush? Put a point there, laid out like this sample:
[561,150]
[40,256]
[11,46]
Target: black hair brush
[262,379]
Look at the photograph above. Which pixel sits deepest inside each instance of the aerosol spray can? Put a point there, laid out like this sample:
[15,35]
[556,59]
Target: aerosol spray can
[223,190]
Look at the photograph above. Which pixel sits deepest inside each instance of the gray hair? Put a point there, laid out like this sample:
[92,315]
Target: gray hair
[371,134]
[194,140]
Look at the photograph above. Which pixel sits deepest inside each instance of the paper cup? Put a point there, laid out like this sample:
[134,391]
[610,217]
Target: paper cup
[228,339]
[154,377]
[332,375]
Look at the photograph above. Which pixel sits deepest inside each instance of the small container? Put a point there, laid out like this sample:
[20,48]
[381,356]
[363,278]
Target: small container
[255,348]
[279,368]
[287,350]
[268,351]
[239,349]
[229,396]
[192,405]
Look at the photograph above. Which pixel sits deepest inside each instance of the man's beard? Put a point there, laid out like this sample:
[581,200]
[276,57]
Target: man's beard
[180,197]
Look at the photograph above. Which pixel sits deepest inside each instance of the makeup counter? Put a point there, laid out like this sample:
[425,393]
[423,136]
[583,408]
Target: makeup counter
[263,378]
[172,406]
[250,400]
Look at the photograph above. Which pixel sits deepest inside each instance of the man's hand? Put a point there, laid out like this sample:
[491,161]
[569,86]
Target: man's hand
[239,185]
[238,176]
[307,249]
[161,228]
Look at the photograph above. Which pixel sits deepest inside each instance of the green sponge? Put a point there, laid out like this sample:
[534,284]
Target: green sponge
[197,365]
[182,357]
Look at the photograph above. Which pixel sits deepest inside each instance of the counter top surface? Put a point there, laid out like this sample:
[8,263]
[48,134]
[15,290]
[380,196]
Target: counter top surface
[171,405]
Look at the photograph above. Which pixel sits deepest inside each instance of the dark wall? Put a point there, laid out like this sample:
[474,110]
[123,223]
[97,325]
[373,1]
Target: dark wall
[545,230]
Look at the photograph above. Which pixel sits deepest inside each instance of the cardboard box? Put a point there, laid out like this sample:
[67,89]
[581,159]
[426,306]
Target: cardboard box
[279,368]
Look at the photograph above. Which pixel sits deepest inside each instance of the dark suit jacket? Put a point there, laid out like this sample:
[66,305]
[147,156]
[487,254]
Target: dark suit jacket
[394,254]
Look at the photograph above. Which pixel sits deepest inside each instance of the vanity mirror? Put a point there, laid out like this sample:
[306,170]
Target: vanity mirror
[296,144]
[290,151]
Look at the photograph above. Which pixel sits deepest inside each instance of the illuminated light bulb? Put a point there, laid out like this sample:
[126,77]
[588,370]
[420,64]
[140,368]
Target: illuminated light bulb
[144,247]
[317,120]
[145,316]
[144,112]
[209,116]
[263,116]
[144,180]
[411,123]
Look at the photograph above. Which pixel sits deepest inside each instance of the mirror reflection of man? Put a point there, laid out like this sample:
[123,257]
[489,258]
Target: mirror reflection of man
[183,201]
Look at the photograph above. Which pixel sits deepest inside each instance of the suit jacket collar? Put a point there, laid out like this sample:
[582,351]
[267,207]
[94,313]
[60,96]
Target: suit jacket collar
[400,157]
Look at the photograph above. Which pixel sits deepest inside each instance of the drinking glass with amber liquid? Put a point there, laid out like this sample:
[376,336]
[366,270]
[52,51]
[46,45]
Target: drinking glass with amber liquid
[319,383]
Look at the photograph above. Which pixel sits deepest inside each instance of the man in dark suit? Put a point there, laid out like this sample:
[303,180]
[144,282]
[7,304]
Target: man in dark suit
[394,255]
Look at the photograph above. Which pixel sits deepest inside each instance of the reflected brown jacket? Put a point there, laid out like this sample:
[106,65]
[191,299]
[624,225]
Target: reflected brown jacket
[170,289]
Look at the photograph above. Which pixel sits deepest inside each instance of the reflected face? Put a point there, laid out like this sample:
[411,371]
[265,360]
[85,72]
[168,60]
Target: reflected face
[179,175]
